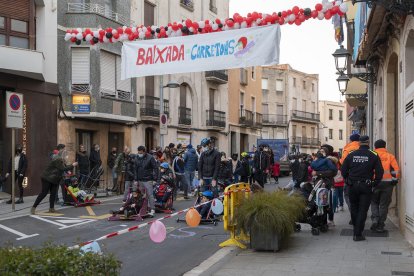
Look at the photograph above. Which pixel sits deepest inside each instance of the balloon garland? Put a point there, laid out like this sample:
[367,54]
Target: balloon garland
[325,10]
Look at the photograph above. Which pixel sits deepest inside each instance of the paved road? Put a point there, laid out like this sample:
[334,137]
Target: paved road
[183,249]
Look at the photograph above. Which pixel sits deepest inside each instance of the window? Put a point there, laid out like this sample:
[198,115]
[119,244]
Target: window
[253,73]
[265,95]
[330,114]
[279,110]
[253,104]
[330,133]
[279,85]
[265,84]
[121,85]
[313,132]
[304,134]
[304,84]
[313,87]
[341,133]
[149,86]
[313,107]
[294,131]
[294,104]
[243,76]
[108,72]
[294,82]
[188,4]
[213,6]
[242,99]
[14,33]
[212,94]
[80,66]
[341,115]
[108,8]
[304,105]
[149,14]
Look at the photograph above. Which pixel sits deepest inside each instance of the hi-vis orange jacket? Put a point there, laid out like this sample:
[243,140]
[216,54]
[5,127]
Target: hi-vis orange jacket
[388,162]
[348,149]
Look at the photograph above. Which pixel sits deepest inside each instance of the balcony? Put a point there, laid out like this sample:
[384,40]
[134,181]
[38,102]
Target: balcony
[246,117]
[119,95]
[215,119]
[184,116]
[218,76]
[150,108]
[258,119]
[274,119]
[101,10]
[22,62]
[188,4]
[305,141]
[304,116]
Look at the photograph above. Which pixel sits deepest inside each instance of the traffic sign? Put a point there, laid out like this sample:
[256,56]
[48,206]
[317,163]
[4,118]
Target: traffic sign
[163,124]
[14,110]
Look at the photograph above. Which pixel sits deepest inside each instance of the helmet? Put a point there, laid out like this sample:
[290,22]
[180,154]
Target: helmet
[165,165]
[167,179]
[244,154]
[208,194]
[205,142]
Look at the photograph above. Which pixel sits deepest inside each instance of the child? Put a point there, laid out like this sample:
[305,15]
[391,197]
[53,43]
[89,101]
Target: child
[133,204]
[81,195]
[163,191]
[203,210]
[276,172]
[322,163]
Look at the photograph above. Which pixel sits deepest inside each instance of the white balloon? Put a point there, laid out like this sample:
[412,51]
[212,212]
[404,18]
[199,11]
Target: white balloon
[236,25]
[154,28]
[243,25]
[214,27]
[124,37]
[329,5]
[68,36]
[88,37]
[179,32]
[202,24]
[79,36]
[321,16]
[338,3]
[254,24]
[217,206]
[324,7]
[114,31]
[105,39]
[191,29]
[259,21]
[343,8]
[292,17]
[141,35]
[79,30]
[96,34]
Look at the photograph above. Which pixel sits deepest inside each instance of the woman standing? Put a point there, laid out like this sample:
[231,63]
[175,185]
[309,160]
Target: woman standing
[51,178]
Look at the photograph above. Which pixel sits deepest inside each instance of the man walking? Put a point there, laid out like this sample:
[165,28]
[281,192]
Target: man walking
[261,165]
[145,173]
[191,163]
[20,167]
[209,165]
[358,169]
[382,194]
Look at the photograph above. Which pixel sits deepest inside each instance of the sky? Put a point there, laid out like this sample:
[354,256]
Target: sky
[307,47]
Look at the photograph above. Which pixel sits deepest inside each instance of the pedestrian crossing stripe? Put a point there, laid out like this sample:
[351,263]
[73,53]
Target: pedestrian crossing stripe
[96,217]
[46,214]
[63,222]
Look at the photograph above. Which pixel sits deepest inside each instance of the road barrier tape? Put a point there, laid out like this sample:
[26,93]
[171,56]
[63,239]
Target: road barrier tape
[136,227]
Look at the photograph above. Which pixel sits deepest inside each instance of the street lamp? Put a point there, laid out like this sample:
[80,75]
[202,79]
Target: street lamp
[341,56]
[171,84]
[343,83]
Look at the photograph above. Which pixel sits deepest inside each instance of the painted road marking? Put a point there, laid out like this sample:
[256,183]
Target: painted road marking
[64,222]
[90,211]
[22,236]
[188,234]
[46,214]
[96,217]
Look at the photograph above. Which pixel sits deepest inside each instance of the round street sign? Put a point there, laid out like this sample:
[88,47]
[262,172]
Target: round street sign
[14,102]
[163,119]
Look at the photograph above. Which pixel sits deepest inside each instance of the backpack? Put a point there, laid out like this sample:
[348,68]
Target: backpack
[322,197]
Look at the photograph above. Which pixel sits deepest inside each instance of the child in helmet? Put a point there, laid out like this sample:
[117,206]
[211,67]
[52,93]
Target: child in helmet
[133,204]
[163,190]
[203,210]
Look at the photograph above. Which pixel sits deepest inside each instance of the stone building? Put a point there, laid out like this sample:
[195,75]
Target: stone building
[333,129]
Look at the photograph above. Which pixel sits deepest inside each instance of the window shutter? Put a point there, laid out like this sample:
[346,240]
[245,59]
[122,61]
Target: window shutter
[123,85]
[264,84]
[80,65]
[107,73]
[279,85]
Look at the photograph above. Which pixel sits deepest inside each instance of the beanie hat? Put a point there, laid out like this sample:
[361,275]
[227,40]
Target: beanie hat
[364,140]
[354,137]
[189,146]
[379,144]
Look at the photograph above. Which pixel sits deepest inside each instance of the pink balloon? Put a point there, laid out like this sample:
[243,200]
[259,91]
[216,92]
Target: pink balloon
[157,232]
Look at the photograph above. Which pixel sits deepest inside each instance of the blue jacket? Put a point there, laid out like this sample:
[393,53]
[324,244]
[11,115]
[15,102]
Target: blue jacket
[323,164]
[191,160]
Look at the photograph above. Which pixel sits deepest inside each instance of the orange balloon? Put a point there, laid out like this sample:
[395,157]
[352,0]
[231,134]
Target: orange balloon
[192,218]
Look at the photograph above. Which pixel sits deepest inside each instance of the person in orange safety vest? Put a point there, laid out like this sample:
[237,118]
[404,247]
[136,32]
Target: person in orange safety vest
[353,145]
[382,194]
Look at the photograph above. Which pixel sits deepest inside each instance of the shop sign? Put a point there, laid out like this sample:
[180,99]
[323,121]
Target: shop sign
[184,139]
[81,104]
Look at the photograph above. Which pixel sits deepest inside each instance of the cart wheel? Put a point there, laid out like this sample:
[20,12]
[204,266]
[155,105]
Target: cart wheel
[315,231]
[76,205]
[298,228]
[324,228]
[215,223]
[178,219]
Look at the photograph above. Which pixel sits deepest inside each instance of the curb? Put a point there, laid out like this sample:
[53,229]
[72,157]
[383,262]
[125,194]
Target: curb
[214,263]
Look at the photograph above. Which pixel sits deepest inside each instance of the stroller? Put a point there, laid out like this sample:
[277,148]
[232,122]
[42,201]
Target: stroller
[164,195]
[90,182]
[74,195]
[207,216]
[136,213]
[318,196]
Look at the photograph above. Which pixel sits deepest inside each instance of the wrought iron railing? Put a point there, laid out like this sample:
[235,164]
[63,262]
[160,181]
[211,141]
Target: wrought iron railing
[99,9]
[275,119]
[297,114]
[150,106]
[216,118]
[217,75]
[246,117]
[184,116]
[258,119]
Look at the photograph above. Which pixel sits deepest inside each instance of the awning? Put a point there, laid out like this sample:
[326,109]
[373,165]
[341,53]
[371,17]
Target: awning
[355,92]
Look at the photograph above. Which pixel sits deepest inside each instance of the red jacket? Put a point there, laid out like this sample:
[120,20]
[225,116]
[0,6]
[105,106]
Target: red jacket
[276,169]
[339,183]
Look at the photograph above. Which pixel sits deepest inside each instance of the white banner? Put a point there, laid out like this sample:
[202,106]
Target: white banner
[259,46]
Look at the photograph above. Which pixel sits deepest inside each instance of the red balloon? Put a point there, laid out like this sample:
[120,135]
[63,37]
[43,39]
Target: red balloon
[284,14]
[188,23]
[230,23]
[302,18]
[297,21]
[289,12]
[175,27]
[328,15]
[147,34]
[195,25]
[335,9]
[301,11]
[314,14]
[218,21]
[318,7]
[295,10]
[109,30]
[131,37]
[281,21]
[340,13]
[255,15]
[88,31]
[68,31]
[116,36]
[128,31]
[101,32]
[291,22]
[91,42]
[73,39]
[120,30]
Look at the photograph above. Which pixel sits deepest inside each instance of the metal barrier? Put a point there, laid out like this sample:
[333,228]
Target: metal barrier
[233,196]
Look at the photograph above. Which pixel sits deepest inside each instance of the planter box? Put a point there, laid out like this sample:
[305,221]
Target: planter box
[264,240]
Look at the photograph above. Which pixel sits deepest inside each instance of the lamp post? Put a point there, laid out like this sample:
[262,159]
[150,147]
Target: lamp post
[342,83]
[341,56]
[162,86]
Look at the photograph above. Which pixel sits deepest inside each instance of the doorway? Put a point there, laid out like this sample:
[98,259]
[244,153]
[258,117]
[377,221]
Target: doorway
[244,142]
[85,138]
[116,140]
[149,138]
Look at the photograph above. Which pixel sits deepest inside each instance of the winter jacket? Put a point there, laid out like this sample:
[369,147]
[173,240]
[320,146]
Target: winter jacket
[276,169]
[191,160]
[302,173]
[235,165]
[323,164]
[244,168]
[294,167]
[54,170]
[178,165]
[225,171]
[83,161]
[209,164]
[21,169]
[261,161]
[95,159]
[120,163]
[129,167]
[138,201]
[348,149]
[111,160]
[145,168]
[389,164]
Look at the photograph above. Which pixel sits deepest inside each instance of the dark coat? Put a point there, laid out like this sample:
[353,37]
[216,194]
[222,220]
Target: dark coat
[226,170]
[209,164]
[244,169]
[54,170]
[21,169]
[83,161]
[129,168]
[111,160]
[191,160]
[146,168]
[95,159]
[261,161]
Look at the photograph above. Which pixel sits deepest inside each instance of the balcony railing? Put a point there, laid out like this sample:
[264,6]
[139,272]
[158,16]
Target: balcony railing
[101,10]
[246,117]
[184,116]
[307,116]
[150,106]
[258,119]
[118,95]
[305,141]
[218,76]
[216,118]
[275,119]
[188,4]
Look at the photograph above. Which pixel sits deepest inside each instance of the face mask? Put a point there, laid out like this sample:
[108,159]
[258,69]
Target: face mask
[162,170]
[223,159]
[140,155]
[97,149]
[113,151]
[266,149]
[234,158]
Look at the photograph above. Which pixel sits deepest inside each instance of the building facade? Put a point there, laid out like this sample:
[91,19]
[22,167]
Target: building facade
[333,129]
[97,106]
[199,107]
[245,109]
[290,107]
[384,47]
[28,62]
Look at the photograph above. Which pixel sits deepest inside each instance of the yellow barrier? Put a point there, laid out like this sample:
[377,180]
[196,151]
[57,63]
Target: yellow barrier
[233,195]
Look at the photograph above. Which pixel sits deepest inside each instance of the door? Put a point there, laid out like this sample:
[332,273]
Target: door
[85,138]
[149,138]
[244,143]
[211,99]
[115,140]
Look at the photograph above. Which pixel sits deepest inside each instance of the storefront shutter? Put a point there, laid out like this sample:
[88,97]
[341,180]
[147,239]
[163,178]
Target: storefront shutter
[107,73]
[123,85]
[80,65]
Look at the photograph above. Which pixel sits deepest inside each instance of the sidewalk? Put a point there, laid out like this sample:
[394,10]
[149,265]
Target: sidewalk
[327,254]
